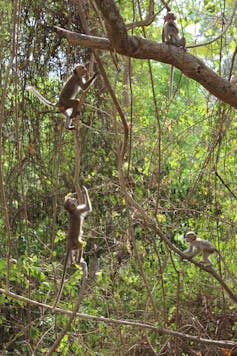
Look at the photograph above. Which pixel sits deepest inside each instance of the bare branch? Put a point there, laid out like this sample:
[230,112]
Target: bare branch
[232,62]
[137,324]
[148,20]
[85,40]
[221,34]
[72,315]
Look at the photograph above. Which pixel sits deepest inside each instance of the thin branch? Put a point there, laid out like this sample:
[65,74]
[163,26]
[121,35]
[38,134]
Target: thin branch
[108,85]
[116,103]
[77,159]
[165,3]
[220,35]
[226,185]
[130,226]
[232,62]
[136,324]
[2,117]
[148,20]
[72,315]
[151,222]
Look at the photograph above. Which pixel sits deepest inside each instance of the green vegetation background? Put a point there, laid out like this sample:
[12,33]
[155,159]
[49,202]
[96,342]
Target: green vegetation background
[169,168]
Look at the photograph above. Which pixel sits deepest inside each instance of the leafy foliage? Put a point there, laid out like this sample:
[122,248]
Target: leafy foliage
[170,170]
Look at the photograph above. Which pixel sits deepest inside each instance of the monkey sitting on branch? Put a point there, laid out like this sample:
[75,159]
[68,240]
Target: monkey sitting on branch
[170,31]
[170,35]
[77,213]
[68,94]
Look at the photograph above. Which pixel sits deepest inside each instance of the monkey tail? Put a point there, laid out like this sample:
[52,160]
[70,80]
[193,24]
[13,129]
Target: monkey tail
[39,96]
[232,277]
[171,81]
[62,280]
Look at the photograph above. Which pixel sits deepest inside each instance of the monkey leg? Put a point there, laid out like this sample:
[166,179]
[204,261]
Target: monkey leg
[206,258]
[80,259]
[69,122]
[83,265]
[75,105]
[79,254]
[70,258]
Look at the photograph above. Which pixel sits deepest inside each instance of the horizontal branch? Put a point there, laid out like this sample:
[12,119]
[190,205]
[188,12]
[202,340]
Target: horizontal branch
[139,47]
[85,40]
[188,64]
[137,324]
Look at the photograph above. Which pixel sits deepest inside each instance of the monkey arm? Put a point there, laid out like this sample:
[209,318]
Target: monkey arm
[86,85]
[174,30]
[82,208]
[188,250]
[192,252]
[87,199]
[174,35]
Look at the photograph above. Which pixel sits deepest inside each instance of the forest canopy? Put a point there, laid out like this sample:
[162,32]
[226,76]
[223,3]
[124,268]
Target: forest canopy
[153,149]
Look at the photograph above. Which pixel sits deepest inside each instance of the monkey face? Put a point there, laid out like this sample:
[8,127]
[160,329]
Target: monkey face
[190,236]
[170,17]
[70,204]
[80,70]
[233,79]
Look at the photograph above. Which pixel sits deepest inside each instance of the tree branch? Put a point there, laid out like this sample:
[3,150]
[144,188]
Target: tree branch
[55,345]
[152,222]
[221,34]
[148,20]
[137,324]
[138,47]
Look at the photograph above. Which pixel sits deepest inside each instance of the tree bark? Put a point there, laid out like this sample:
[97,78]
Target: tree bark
[138,47]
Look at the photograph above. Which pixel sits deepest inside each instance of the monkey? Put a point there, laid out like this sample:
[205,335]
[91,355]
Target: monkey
[170,36]
[233,79]
[77,213]
[198,246]
[170,31]
[68,93]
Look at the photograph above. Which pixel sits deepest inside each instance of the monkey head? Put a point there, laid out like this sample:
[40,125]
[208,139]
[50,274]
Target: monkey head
[80,70]
[70,204]
[190,236]
[233,79]
[170,17]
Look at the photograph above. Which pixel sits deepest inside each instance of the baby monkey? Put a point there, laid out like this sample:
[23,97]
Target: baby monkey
[77,213]
[198,246]
[170,32]
[68,94]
